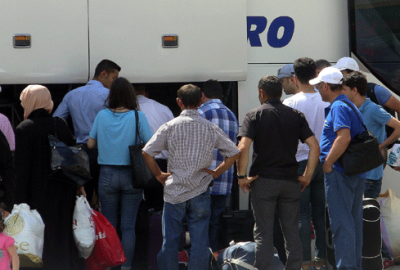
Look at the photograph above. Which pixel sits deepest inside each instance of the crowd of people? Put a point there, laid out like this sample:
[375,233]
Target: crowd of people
[294,173]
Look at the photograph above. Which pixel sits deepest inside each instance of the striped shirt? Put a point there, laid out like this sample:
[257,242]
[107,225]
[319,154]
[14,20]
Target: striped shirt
[190,140]
[215,111]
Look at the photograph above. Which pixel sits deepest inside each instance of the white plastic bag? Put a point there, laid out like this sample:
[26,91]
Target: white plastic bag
[27,228]
[83,227]
[390,213]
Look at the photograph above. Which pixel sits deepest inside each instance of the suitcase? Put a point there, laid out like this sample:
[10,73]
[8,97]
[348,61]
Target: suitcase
[236,225]
[372,238]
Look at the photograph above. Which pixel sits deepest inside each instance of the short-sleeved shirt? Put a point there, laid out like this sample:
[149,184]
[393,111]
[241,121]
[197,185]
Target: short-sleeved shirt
[5,243]
[190,140]
[375,119]
[156,114]
[115,132]
[381,94]
[312,106]
[275,130]
[339,115]
[83,104]
[215,111]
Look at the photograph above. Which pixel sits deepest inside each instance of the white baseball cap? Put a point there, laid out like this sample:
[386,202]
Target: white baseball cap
[347,63]
[330,75]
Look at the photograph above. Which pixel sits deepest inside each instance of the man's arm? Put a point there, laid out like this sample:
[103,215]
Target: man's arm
[312,162]
[242,162]
[92,143]
[394,104]
[62,109]
[338,148]
[395,124]
[153,166]
[225,165]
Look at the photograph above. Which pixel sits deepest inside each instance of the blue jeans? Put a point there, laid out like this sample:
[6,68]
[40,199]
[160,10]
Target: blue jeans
[196,211]
[115,185]
[372,190]
[218,205]
[344,199]
[312,206]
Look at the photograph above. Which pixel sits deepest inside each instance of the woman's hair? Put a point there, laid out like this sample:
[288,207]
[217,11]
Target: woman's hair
[122,94]
[35,97]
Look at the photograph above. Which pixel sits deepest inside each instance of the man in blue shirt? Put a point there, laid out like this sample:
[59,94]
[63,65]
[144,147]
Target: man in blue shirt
[343,193]
[215,111]
[375,119]
[83,104]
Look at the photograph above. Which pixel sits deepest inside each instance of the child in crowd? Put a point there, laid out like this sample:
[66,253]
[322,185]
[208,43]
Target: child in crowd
[8,252]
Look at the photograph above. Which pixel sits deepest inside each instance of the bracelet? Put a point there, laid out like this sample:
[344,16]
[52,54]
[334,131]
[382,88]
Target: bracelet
[241,176]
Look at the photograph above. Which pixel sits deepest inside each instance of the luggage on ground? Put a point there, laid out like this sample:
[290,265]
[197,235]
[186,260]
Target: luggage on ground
[372,240]
[237,225]
[242,256]
[390,220]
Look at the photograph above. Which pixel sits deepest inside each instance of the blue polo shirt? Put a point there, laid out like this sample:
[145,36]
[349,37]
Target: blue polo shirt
[375,118]
[338,115]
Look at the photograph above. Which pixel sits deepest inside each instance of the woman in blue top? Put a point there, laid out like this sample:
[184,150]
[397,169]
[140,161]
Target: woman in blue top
[113,131]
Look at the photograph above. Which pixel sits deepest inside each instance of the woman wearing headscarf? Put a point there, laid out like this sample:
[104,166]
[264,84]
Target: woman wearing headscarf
[53,197]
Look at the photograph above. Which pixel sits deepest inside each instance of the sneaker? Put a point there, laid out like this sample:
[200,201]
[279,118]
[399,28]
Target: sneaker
[323,267]
[388,263]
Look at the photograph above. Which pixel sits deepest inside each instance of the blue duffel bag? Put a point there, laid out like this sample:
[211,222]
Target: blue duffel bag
[241,256]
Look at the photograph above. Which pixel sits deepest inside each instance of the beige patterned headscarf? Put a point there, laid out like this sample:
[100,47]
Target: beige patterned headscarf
[35,97]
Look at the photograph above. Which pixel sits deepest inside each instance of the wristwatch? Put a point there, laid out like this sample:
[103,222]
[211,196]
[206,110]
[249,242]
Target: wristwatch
[241,176]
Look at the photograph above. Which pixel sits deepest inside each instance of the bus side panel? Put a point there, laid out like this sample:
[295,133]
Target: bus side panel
[211,39]
[283,32]
[59,41]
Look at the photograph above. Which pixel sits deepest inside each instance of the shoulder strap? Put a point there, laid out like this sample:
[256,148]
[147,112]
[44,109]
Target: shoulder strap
[55,127]
[243,264]
[354,110]
[371,92]
[137,127]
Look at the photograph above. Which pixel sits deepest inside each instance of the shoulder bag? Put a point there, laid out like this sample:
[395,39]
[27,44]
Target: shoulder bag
[362,154]
[71,161]
[142,177]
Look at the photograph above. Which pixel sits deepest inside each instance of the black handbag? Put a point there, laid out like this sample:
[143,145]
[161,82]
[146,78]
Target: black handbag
[142,177]
[362,154]
[70,161]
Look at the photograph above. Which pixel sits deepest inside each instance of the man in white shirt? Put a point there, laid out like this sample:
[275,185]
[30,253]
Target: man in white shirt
[157,114]
[309,102]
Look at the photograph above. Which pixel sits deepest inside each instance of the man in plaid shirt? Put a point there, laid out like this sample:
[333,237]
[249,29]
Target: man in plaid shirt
[215,111]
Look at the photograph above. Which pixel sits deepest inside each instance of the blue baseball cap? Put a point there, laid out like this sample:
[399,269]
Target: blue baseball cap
[286,72]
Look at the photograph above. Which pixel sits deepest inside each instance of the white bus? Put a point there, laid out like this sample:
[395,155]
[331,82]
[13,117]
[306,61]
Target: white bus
[165,44]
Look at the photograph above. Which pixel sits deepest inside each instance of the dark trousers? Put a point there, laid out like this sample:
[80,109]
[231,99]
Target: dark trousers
[269,195]
[92,185]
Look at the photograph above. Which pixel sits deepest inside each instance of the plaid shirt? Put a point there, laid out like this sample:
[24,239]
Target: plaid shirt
[215,111]
[190,141]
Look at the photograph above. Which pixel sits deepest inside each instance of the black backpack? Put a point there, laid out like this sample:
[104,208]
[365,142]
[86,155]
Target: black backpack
[372,96]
